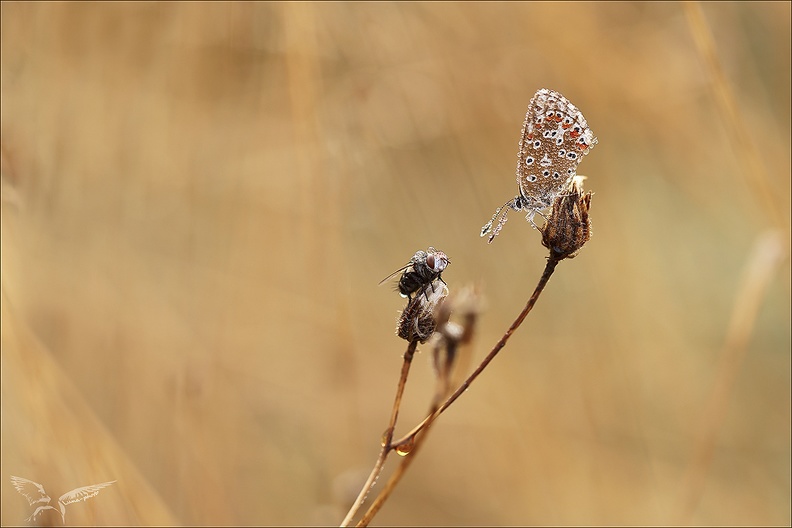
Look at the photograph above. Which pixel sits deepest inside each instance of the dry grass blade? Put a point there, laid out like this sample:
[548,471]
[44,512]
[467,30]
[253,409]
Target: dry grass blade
[767,255]
[753,167]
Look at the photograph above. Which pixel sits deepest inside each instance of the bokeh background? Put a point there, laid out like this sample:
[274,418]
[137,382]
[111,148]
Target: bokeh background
[198,201]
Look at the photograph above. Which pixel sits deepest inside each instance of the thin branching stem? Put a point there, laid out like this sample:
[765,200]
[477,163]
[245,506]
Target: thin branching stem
[548,272]
[436,410]
[565,232]
[387,437]
[398,473]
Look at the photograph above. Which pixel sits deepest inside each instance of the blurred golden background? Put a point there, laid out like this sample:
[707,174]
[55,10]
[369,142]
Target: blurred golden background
[198,201]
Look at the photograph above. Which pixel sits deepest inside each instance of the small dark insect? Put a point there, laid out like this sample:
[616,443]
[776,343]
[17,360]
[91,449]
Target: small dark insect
[424,268]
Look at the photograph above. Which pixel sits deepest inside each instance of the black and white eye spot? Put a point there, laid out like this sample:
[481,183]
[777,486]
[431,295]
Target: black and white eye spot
[576,129]
[561,153]
[546,173]
[572,155]
[556,176]
[529,161]
[545,161]
[568,121]
[537,144]
[558,115]
[531,177]
[549,114]
[570,171]
[559,141]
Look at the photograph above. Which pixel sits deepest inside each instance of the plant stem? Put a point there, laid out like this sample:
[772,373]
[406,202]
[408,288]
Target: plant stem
[397,475]
[436,409]
[387,437]
[546,274]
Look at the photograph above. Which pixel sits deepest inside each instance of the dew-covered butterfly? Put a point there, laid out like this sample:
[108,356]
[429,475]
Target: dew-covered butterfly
[555,137]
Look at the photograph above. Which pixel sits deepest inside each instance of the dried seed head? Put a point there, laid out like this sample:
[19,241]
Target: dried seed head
[568,227]
[417,321]
[451,339]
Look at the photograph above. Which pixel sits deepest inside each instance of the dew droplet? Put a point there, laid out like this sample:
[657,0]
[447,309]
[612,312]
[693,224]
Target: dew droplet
[405,448]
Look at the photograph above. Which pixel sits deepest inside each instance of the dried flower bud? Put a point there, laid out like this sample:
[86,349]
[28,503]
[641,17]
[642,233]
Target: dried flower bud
[417,321]
[450,337]
[568,228]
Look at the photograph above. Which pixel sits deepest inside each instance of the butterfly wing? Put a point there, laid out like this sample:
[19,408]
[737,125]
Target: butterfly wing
[555,137]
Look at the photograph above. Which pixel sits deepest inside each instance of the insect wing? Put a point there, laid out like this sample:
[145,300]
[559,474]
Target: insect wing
[555,137]
[395,273]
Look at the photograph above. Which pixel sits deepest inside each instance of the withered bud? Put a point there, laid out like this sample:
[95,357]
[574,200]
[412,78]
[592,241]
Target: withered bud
[417,321]
[451,337]
[568,227]
[465,305]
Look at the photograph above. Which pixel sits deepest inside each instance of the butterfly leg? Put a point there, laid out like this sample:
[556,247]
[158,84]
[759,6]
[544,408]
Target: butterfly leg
[530,217]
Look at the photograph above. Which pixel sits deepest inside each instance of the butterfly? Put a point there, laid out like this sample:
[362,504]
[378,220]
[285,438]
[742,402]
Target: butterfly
[554,139]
